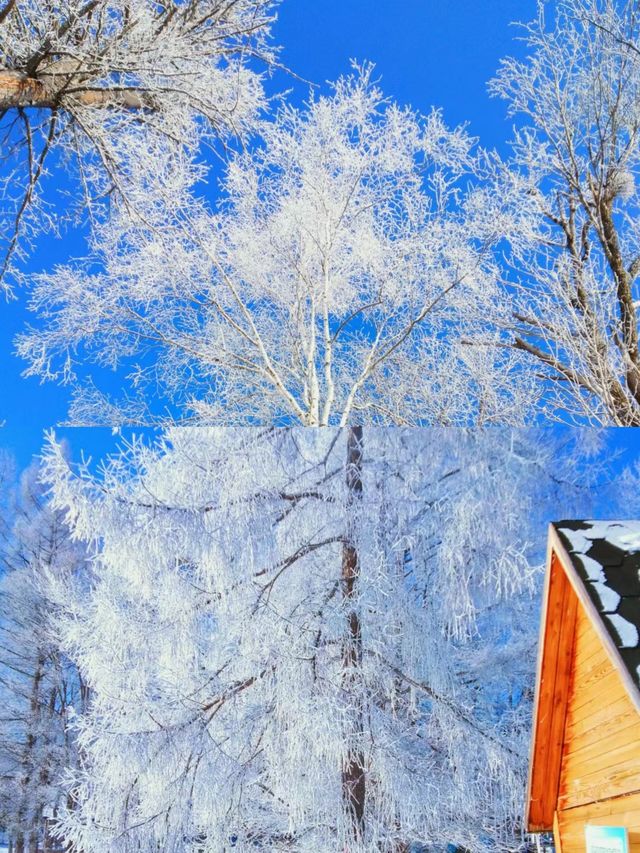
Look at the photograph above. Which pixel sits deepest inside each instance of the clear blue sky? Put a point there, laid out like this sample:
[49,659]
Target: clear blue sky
[427,52]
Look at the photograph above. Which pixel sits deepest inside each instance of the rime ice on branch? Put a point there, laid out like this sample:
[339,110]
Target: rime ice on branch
[574,196]
[119,94]
[42,573]
[336,283]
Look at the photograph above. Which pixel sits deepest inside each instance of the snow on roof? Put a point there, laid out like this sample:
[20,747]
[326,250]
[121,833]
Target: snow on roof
[606,556]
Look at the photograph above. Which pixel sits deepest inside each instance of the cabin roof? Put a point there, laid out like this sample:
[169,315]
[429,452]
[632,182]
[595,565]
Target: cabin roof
[594,564]
[606,557]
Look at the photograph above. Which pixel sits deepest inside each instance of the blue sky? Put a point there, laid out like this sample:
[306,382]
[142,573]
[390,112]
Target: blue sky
[427,53]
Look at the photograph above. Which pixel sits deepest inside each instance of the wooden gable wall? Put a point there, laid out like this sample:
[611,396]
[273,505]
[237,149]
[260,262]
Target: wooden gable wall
[600,764]
[585,762]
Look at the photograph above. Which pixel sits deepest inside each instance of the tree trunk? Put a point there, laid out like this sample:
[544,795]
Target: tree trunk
[47,841]
[353,770]
[28,841]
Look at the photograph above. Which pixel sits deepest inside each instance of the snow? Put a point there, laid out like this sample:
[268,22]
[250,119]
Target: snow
[621,534]
[592,568]
[580,544]
[626,631]
[609,598]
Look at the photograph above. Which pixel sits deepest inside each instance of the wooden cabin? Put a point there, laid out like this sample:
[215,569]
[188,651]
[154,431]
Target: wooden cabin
[584,771]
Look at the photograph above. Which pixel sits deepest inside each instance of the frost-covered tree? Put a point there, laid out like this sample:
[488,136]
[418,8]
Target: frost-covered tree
[40,689]
[306,640]
[336,283]
[573,195]
[119,93]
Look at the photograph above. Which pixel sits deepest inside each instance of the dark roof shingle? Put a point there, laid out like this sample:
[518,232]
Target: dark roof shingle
[606,556]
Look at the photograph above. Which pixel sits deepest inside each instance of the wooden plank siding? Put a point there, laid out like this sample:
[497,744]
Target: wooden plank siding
[600,766]
[619,811]
[585,751]
[601,750]
[553,689]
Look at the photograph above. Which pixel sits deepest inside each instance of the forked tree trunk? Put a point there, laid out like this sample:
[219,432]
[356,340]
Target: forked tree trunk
[353,770]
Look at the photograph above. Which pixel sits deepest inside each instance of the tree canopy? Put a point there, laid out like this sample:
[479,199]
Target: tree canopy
[337,281]
[310,640]
[115,98]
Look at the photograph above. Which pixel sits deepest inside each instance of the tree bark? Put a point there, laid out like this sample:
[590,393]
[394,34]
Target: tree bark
[65,87]
[353,770]
[628,318]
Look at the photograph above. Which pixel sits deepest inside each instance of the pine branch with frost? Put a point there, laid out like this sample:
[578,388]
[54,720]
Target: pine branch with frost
[216,634]
[43,574]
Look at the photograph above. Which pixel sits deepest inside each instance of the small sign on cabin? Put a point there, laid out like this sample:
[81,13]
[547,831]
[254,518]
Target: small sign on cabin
[606,839]
[584,773]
